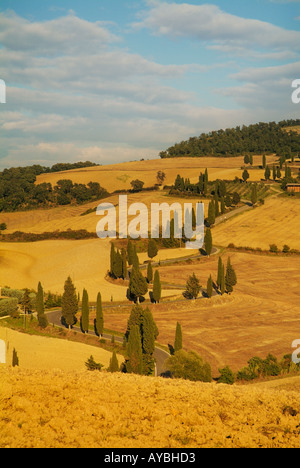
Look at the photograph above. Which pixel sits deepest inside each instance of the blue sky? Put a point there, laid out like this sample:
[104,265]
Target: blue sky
[112,80]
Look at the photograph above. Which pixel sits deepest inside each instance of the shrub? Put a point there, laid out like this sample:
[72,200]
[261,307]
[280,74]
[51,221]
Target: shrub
[189,366]
[227,376]
[273,248]
[91,365]
[8,306]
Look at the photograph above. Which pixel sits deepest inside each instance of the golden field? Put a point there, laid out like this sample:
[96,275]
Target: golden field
[118,176]
[276,222]
[55,409]
[38,352]
[262,315]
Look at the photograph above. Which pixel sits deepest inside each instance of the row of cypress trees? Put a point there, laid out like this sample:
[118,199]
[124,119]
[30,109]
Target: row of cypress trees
[225,280]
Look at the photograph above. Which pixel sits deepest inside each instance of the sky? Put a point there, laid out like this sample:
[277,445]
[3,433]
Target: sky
[118,80]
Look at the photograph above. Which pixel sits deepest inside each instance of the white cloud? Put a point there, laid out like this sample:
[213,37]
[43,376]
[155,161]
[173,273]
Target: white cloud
[210,24]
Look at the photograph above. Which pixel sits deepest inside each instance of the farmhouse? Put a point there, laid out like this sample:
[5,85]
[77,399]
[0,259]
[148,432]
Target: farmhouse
[293,187]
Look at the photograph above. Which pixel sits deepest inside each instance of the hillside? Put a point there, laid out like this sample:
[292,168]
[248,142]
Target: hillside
[260,138]
[55,409]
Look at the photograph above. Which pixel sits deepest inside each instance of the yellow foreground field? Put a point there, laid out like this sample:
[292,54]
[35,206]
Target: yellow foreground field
[55,409]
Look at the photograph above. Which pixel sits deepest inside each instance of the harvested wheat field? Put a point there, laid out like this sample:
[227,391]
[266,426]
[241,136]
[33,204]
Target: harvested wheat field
[23,265]
[262,315]
[70,217]
[38,352]
[118,176]
[276,222]
[55,409]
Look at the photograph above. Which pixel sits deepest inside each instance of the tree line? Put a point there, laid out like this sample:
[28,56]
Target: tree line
[260,138]
[19,191]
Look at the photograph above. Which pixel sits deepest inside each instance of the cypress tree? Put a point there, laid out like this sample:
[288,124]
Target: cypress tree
[230,277]
[124,264]
[220,270]
[130,253]
[143,320]
[209,289]
[134,363]
[99,321]
[148,341]
[137,284]
[152,248]
[178,338]
[217,210]
[114,364]
[85,313]
[264,161]
[40,308]
[267,173]
[254,194]
[156,287]
[118,265]
[135,258]
[208,241]
[222,285]
[149,273]
[211,213]
[112,259]
[223,207]
[69,303]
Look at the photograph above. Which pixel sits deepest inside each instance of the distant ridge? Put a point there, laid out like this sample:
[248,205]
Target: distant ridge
[260,138]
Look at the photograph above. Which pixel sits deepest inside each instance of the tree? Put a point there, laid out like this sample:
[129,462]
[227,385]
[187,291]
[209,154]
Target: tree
[254,194]
[160,177]
[113,364]
[264,161]
[92,365]
[208,242]
[178,338]
[156,287]
[189,366]
[222,284]
[211,213]
[112,258]
[236,198]
[193,287]
[245,175]
[209,289]
[85,312]
[124,264]
[137,185]
[137,284]
[99,321]
[40,307]
[143,319]
[134,363]
[267,173]
[152,248]
[130,253]
[149,273]
[220,272]
[230,277]
[226,376]
[69,303]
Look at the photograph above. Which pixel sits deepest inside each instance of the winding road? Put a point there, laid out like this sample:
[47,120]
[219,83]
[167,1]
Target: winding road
[160,355]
